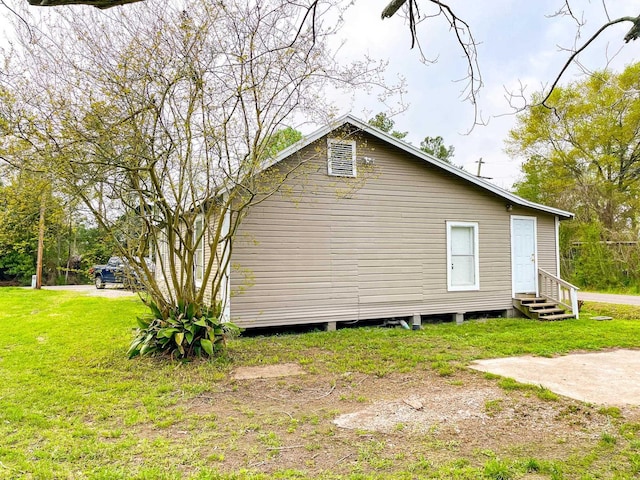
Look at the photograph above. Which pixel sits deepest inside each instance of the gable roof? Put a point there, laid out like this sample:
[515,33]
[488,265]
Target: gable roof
[416,152]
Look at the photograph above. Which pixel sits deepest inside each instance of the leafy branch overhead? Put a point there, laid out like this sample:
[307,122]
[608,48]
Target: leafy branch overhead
[469,46]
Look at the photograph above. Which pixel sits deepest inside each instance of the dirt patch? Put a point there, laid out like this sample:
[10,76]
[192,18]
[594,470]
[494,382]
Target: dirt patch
[360,423]
[267,371]
[477,413]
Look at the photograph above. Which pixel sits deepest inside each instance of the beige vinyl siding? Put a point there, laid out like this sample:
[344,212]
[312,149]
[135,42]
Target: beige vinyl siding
[163,263]
[370,247]
[547,244]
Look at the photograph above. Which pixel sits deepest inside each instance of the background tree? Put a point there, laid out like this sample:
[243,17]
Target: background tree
[280,140]
[20,202]
[161,118]
[583,155]
[435,146]
[30,178]
[70,243]
[432,145]
[585,152]
[382,122]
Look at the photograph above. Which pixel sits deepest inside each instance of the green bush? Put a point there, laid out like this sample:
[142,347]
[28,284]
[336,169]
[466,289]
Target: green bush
[183,331]
[497,470]
[600,260]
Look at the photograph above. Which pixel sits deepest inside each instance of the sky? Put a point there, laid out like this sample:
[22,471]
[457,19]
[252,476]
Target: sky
[519,44]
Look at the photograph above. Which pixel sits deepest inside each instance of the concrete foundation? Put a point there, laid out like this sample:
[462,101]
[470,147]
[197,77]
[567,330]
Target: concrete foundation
[330,326]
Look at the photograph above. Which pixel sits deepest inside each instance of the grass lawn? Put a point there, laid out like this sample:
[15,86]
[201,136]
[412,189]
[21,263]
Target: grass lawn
[73,406]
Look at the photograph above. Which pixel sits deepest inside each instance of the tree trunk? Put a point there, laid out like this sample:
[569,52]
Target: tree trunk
[43,207]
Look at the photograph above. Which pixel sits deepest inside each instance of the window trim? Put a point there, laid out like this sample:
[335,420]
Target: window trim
[352,143]
[476,285]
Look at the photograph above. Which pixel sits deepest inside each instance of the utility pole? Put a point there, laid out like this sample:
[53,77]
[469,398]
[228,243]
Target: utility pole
[480,163]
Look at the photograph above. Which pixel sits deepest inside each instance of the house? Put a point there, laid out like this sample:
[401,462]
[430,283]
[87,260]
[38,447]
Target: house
[369,227]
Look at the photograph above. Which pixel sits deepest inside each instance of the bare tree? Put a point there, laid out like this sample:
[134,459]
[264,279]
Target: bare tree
[418,11]
[161,118]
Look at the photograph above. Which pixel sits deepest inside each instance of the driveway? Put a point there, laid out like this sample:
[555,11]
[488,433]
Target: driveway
[609,378]
[90,290]
[609,298]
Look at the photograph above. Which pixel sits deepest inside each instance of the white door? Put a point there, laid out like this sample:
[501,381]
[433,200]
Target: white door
[524,256]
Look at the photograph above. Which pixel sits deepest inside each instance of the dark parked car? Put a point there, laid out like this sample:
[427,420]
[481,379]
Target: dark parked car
[117,271]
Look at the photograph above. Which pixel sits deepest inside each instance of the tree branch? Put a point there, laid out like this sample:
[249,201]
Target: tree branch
[392,8]
[464,37]
[631,35]
[634,32]
[102,4]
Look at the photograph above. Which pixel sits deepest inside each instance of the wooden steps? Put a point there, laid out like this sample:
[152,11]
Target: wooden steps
[539,308]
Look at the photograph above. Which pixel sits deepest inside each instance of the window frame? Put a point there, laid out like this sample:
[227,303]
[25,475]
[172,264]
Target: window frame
[476,257]
[330,170]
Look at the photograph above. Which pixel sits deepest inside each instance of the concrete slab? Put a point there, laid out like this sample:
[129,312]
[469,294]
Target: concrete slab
[608,378]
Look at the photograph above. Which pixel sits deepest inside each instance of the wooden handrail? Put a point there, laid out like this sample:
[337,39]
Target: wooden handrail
[554,288]
[564,283]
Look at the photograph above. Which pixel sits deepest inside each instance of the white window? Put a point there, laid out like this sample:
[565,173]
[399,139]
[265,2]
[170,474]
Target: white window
[462,256]
[341,160]
[199,253]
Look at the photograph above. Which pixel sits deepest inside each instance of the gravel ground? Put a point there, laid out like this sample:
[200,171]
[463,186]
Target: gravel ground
[110,291]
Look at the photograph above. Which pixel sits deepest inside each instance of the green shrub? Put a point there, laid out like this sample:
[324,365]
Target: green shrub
[497,470]
[183,331]
[600,259]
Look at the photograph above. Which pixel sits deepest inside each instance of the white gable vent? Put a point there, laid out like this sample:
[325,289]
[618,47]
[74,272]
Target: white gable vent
[342,158]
